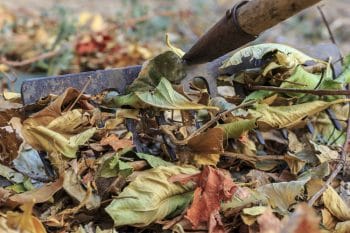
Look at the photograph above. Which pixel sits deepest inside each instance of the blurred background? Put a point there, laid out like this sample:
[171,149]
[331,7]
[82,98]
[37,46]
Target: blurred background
[50,37]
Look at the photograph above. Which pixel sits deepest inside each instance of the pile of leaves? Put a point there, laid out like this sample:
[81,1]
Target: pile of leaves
[161,159]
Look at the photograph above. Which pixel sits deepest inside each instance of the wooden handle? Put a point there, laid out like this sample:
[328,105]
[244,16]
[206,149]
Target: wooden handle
[259,15]
[241,25]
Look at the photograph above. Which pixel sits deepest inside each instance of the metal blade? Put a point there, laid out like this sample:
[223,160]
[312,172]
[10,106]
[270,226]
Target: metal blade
[118,79]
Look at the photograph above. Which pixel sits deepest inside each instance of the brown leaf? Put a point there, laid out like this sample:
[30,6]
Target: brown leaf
[39,195]
[210,142]
[213,187]
[58,106]
[9,144]
[116,143]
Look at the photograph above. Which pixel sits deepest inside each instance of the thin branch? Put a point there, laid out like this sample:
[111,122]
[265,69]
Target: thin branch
[80,94]
[304,91]
[30,60]
[331,36]
[256,158]
[204,127]
[339,167]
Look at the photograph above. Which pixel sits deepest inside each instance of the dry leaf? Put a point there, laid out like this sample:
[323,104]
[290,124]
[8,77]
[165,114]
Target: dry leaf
[25,221]
[116,143]
[336,205]
[210,142]
[214,186]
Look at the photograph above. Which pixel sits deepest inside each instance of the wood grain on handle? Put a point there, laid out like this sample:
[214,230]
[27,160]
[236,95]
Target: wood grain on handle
[259,15]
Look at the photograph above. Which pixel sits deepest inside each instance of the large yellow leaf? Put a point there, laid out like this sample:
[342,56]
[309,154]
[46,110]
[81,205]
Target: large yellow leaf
[43,138]
[25,221]
[342,227]
[287,116]
[151,197]
[336,205]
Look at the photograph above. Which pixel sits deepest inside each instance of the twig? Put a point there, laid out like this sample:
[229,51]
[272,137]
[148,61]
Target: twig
[217,117]
[339,167]
[205,126]
[305,91]
[30,60]
[80,94]
[257,158]
[331,36]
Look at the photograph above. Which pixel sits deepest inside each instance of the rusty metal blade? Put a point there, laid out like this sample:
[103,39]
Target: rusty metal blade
[117,79]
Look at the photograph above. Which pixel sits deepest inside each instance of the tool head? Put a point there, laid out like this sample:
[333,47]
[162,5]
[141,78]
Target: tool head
[35,89]
[118,79]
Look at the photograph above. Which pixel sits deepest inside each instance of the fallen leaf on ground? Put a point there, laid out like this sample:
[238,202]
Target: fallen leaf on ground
[151,197]
[116,143]
[214,186]
[25,221]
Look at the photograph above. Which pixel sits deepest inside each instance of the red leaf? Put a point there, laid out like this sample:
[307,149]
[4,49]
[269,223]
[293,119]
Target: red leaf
[213,187]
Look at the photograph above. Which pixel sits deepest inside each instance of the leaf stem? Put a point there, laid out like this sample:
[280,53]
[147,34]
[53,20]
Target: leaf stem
[305,91]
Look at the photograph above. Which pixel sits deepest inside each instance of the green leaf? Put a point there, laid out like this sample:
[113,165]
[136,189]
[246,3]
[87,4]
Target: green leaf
[153,161]
[113,166]
[301,79]
[165,65]
[258,51]
[151,197]
[11,174]
[288,116]
[164,96]
[258,95]
[318,172]
[237,128]
[253,197]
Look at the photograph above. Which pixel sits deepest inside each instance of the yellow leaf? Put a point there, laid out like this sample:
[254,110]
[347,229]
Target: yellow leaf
[336,205]
[25,222]
[43,138]
[342,227]
[206,159]
[12,96]
[328,220]
[288,116]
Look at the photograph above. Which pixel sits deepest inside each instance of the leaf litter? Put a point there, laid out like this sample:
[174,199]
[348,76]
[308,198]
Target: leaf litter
[156,160]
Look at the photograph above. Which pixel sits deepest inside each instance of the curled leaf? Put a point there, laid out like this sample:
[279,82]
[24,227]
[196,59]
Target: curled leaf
[256,52]
[214,186]
[164,96]
[288,116]
[336,205]
[237,128]
[151,197]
